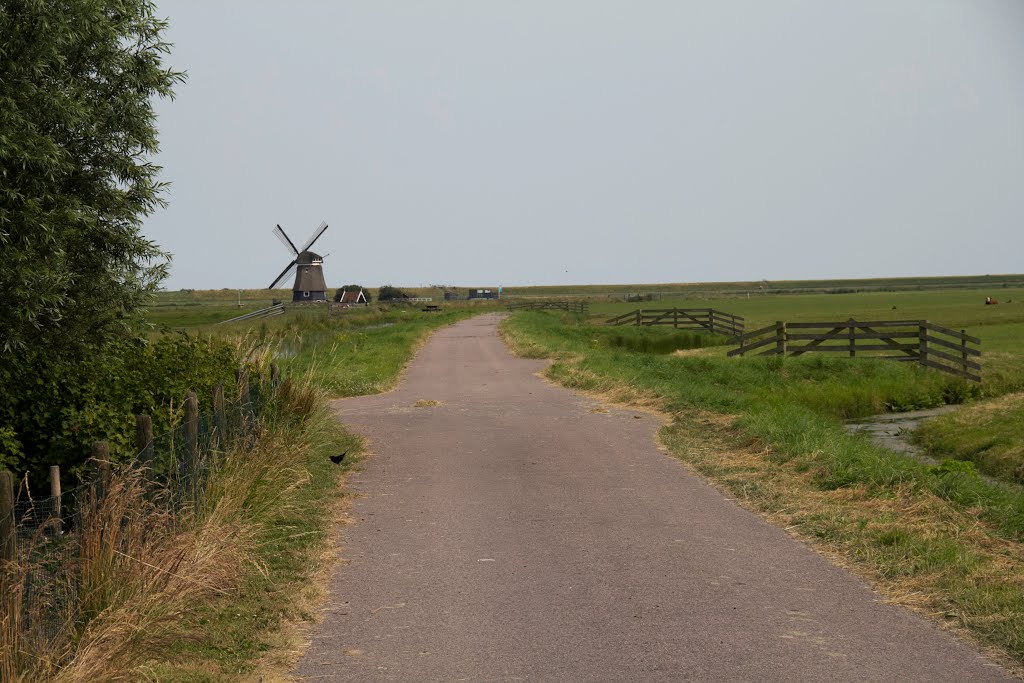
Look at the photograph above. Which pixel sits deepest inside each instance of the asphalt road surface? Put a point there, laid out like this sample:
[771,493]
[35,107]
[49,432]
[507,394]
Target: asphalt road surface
[512,533]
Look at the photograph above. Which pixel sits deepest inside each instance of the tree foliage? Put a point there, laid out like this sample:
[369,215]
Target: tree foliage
[65,406]
[77,129]
[389,293]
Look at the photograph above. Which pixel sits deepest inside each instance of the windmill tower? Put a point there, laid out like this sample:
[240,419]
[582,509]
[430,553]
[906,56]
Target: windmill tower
[309,272]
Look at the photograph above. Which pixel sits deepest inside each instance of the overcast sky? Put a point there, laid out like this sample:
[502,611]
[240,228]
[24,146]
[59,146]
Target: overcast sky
[526,142]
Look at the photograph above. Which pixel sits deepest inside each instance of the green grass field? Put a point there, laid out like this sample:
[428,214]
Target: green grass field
[991,284]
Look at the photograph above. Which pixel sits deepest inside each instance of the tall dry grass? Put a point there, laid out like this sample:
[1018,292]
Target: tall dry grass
[115,605]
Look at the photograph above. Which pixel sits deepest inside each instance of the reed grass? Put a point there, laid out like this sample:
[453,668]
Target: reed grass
[124,601]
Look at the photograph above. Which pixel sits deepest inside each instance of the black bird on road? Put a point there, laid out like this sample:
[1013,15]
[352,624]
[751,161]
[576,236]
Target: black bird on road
[336,459]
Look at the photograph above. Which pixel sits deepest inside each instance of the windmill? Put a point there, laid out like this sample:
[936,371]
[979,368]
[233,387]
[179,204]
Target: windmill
[309,271]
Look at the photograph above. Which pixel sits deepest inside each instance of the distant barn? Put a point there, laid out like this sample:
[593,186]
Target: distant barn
[352,297]
[482,294]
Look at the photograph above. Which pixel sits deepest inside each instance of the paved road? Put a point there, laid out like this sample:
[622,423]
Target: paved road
[514,534]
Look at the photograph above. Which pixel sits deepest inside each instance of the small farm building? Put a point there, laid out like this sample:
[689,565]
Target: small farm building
[352,297]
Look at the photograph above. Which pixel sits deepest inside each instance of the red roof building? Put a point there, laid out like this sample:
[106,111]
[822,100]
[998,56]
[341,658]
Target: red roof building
[352,297]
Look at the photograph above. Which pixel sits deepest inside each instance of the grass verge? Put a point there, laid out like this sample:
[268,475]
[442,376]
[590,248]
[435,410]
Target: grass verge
[256,631]
[769,431]
[989,434]
[367,355]
[154,587]
[221,591]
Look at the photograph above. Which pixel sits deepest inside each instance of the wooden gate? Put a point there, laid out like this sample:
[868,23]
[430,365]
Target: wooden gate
[917,341]
[708,319]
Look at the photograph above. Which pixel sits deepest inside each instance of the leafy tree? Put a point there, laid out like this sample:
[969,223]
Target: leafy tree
[352,288]
[389,293]
[77,128]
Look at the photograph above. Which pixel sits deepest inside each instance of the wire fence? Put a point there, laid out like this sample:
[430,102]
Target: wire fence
[42,555]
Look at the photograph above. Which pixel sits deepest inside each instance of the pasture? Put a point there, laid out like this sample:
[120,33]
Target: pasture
[1000,327]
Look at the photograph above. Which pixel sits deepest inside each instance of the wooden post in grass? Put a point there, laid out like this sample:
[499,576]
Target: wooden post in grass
[55,496]
[7,522]
[780,337]
[639,317]
[922,342]
[242,377]
[192,427]
[853,342]
[963,351]
[220,422]
[144,440]
[101,454]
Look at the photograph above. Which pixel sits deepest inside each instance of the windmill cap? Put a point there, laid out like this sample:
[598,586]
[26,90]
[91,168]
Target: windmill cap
[309,256]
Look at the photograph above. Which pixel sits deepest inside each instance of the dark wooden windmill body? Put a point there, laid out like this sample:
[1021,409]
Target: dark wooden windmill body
[310,286]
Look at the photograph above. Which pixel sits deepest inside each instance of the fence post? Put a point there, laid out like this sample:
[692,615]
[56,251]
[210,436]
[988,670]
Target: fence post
[639,316]
[220,422]
[55,495]
[144,440]
[192,426]
[101,454]
[675,318]
[242,377]
[850,333]
[922,341]
[780,337]
[963,350]
[7,523]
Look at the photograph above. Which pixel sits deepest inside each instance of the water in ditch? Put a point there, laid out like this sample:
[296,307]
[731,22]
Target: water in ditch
[893,430]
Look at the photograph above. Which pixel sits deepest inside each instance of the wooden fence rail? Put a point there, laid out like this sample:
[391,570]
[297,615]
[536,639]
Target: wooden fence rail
[709,319]
[919,341]
[580,307]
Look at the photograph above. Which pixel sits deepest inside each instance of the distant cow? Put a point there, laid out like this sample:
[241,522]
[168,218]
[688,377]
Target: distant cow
[989,301]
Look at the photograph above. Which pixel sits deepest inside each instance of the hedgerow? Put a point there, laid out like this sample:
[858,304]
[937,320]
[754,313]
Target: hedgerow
[53,407]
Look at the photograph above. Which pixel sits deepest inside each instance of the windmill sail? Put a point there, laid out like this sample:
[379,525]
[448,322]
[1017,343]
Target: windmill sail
[283,275]
[279,233]
[315,236]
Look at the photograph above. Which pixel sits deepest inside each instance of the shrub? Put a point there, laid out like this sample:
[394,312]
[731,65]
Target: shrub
[389,293]
[53,408]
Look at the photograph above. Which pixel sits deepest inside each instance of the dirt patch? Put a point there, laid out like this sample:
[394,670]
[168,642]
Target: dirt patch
[694,352]
[427,403]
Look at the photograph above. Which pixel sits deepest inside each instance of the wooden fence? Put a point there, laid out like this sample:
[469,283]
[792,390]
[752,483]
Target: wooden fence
[708,319]
[580,307]
[917,341]
[183,455]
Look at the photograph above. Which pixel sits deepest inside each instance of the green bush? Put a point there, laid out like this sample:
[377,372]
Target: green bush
[53,408]
[389,293]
